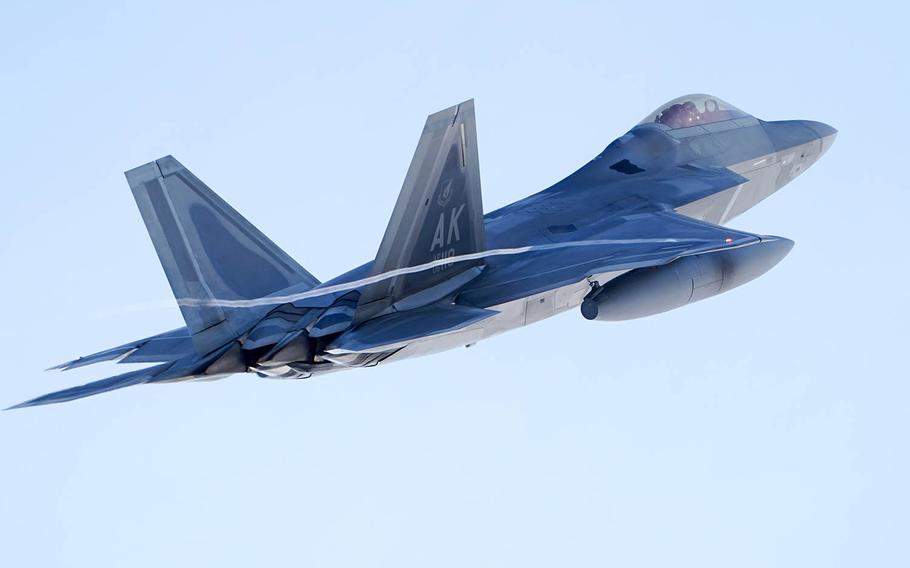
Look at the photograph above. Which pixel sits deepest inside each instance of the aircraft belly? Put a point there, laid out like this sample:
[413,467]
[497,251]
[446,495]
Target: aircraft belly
[514,314]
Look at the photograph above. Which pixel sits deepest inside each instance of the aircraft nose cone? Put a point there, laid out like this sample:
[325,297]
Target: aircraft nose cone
[825,133]
[823,130]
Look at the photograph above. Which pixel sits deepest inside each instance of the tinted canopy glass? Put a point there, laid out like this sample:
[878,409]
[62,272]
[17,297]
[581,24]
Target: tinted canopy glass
[691,110]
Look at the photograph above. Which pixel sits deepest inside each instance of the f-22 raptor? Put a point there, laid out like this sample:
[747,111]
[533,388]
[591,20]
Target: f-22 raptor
[636,231]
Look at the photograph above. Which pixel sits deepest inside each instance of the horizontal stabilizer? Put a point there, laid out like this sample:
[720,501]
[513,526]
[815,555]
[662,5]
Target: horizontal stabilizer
[106,355]
[223,361]
[97,387]
[161,349]
[168,346]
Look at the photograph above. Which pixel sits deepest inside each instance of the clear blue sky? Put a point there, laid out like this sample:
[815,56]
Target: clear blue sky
[766,427]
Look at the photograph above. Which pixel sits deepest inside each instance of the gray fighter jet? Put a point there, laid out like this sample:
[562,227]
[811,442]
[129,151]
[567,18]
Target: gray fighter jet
[636,231]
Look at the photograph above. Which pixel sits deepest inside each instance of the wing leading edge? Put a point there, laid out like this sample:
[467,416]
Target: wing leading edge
[637,240]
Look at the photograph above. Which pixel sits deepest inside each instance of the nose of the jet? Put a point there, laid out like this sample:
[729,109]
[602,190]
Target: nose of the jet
[823,130]
[825,133]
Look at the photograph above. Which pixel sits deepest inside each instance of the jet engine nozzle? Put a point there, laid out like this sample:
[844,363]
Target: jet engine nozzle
[648,291]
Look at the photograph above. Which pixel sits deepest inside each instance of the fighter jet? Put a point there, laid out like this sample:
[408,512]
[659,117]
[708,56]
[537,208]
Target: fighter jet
[638,230]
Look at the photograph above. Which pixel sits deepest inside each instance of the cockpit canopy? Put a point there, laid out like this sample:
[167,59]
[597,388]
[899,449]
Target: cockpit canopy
[691,110]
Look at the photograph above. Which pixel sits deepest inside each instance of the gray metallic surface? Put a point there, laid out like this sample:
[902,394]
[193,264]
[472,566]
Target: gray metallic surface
[208,250]
[637,230]
[648,291]
[439,212]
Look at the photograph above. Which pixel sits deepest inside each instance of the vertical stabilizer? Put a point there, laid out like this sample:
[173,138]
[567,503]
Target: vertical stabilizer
[209,251]
[439,212]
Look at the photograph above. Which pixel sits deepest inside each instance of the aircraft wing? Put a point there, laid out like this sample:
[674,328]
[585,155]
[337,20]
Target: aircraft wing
[636,240]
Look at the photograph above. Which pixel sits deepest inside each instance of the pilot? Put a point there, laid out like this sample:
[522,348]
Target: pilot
[679,115]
